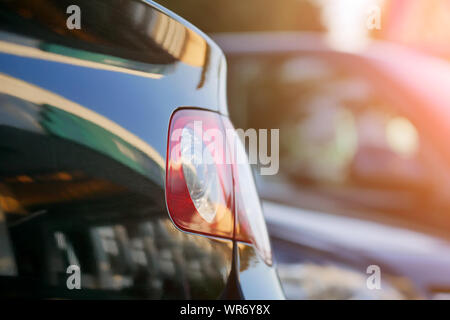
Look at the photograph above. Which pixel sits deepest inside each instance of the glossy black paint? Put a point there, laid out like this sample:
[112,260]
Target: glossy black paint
[84,116]
[257,280]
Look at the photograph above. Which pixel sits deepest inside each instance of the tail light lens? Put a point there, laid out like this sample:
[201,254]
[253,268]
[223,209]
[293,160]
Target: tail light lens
[209,185]
[199,185]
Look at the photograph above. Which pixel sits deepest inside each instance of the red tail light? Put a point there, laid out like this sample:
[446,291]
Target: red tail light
[209,184]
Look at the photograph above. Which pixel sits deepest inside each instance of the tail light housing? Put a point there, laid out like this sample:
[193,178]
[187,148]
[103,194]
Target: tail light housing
[209,184]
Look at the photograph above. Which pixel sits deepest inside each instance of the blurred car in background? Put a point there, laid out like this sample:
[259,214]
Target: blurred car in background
[364,162]
[89,184]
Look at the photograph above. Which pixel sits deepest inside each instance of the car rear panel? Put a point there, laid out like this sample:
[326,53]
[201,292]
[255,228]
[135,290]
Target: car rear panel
[84,117]
[258,281]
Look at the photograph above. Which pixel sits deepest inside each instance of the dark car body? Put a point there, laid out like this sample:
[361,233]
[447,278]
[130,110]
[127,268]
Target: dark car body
[381,209]
[84,118]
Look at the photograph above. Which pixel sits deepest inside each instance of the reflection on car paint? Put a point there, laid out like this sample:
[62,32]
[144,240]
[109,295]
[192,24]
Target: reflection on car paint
[74,193]
[157,43]
[257,279]
[83,121]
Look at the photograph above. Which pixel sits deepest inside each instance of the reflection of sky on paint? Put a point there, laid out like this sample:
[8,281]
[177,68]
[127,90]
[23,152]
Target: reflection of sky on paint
[347,22]
[95,89]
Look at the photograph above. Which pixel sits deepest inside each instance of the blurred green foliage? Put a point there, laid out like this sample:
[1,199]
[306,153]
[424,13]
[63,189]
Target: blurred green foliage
[248,15]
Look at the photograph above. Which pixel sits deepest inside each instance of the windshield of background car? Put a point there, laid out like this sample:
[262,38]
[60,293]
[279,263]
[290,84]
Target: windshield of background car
[342,138]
